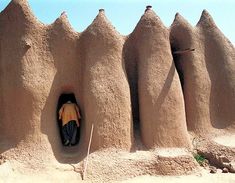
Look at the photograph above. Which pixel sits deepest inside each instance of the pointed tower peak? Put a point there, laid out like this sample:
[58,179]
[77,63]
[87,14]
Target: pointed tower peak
[149,22]
[101,11]
[205,14]
[206,19]
[149,12]
[148,8]
[19,2]
[63,15]
[178,16]
[179,20]
[20,10]
[63,19]
[149,18]
[62,23]
[101,25]
[101,16]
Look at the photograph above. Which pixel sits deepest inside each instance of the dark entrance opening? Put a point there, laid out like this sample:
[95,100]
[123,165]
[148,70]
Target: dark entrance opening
[64,97]
[136,118]
[178,66]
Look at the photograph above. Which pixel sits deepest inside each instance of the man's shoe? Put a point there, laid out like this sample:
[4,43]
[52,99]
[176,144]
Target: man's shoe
[66,143]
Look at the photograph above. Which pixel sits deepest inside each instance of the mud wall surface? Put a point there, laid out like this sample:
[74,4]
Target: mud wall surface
[117,81]
[208,73]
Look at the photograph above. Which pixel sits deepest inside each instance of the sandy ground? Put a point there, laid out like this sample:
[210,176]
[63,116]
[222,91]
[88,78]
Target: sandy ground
[110,165]
[66,174]
[202,178]
[60,173]
[226,140]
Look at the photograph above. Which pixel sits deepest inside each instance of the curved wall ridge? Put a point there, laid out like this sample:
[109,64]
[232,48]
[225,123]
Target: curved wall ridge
[20,10]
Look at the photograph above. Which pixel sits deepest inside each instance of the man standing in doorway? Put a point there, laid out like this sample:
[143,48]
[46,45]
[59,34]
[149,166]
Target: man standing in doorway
[69,113]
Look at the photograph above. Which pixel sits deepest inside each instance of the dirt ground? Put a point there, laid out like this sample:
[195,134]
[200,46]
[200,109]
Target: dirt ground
[226,140]
[202,177]
[66,174]
[110,166]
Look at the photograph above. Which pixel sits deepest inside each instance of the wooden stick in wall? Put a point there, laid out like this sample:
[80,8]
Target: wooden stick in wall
[184,51]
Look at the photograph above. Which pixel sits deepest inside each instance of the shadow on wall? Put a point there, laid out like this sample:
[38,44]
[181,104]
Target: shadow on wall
[166,87]
[131,68]
[178,66]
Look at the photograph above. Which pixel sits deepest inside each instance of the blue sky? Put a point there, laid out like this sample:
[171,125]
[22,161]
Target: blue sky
[124,14]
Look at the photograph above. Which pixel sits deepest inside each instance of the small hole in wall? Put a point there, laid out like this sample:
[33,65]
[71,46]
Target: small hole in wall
[64,98]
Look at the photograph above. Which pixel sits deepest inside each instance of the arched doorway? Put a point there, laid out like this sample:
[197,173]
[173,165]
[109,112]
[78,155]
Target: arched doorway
[64,97]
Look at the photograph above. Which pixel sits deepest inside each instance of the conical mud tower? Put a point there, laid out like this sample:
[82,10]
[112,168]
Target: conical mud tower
[106,94]
[207,73]
[194,77]
[161,105]
[219,59]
